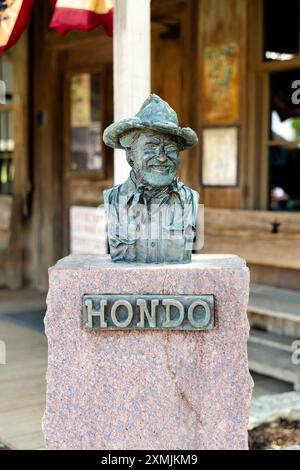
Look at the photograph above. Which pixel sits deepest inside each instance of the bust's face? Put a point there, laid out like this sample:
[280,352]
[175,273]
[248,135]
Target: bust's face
[155,158]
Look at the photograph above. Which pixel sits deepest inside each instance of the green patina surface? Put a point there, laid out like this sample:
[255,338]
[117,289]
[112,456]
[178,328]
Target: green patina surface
[151,216]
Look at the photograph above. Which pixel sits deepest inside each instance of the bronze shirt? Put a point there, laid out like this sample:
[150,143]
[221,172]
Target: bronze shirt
[151,225]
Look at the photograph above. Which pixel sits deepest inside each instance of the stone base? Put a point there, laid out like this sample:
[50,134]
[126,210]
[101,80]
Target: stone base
[147,389]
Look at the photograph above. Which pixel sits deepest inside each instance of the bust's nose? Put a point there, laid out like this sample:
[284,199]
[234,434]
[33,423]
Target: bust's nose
[162,156]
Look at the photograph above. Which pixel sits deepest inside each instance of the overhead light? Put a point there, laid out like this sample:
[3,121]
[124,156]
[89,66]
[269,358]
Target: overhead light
[278,55]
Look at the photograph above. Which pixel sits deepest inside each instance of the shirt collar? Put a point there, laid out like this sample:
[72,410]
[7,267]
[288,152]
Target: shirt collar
[132,188]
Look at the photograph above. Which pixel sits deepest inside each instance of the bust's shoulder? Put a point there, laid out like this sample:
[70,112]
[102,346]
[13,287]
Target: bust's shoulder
[111,194]
[188,194]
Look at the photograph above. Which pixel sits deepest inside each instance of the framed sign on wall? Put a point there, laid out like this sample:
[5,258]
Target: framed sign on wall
[220,84]
[220,156]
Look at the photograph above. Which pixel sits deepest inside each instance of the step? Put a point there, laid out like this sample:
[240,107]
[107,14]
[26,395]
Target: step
[269,360]
[282,343]
[23,300]
[274,302]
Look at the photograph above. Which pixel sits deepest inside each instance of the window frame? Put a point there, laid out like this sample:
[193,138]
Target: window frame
[20,108]
[259,112]
[100,174]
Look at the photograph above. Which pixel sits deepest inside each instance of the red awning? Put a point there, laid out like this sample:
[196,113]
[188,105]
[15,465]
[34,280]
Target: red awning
[14,16]
[82,15]
[67,15]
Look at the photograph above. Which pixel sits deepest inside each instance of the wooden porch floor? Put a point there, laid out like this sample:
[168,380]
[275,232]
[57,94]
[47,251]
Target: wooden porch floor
[22,378]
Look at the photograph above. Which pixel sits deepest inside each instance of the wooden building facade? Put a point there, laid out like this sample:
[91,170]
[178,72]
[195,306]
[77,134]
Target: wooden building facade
[226,66]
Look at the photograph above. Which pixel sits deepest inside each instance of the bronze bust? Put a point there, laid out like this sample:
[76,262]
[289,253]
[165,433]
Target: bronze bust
[152,215]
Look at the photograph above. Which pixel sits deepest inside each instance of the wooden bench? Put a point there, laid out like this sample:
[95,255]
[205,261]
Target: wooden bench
[265,238]
[10,242]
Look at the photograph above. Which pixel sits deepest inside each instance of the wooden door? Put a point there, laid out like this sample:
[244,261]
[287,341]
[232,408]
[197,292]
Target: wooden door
[87,165]
[15,184]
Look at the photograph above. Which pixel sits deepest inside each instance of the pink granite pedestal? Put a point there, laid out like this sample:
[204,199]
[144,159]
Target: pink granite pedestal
[147,389]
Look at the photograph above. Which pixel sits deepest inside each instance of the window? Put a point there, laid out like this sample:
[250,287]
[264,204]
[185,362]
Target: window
[280,30]
[280,162]
[284,143]
[284,115]
[85,123]
[6,127]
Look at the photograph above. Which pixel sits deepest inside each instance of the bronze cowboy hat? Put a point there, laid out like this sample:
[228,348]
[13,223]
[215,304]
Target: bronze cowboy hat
[155,114]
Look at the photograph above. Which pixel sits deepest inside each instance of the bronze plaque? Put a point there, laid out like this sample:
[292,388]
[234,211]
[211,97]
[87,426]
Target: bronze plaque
[149,311]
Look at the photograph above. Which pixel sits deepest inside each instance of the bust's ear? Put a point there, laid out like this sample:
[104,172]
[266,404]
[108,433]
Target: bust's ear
[130,156]
[127,139]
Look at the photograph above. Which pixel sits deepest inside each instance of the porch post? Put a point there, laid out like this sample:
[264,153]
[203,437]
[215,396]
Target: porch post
[131,66]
